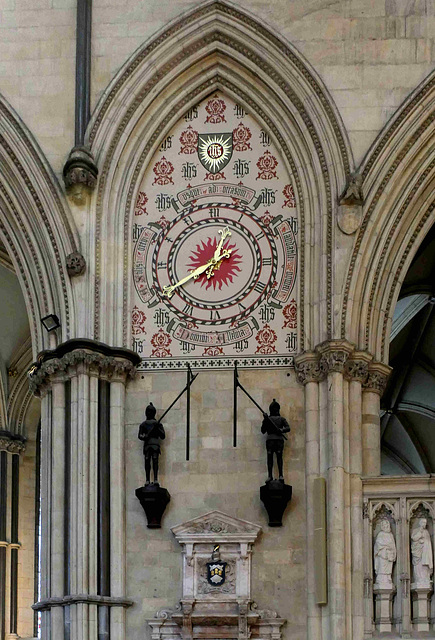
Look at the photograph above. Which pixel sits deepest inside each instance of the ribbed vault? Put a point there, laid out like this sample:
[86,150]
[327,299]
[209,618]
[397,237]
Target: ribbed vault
[217,47]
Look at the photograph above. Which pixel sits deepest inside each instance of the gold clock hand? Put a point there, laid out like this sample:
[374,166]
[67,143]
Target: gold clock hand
[168,290]
[225,233]
[216,262]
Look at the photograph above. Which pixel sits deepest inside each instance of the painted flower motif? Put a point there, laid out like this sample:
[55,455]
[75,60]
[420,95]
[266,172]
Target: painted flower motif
[266,218]
[163,170]
[215,176]
[137,321]
[267,164]
[266,339]
[163,222]
[241,137]
[161,341]
[213,351]
[290,314]
[289,197]
[141,204]
[189,141]
[215,109]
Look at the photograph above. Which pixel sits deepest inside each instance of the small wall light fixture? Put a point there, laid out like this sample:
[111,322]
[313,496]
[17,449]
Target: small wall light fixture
[51,322]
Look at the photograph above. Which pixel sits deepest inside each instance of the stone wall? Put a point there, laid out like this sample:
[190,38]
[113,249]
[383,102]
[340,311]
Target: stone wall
[369,53]
[217,476]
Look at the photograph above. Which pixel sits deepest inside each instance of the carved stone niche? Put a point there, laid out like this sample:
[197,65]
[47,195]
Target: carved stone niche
[225,610]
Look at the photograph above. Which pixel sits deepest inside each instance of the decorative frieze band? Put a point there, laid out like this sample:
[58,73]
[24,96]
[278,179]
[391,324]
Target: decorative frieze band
[12,442]
[341,356]
[96,357]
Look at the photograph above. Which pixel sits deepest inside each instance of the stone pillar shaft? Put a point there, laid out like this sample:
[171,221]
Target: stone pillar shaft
[74,459]
[337,430]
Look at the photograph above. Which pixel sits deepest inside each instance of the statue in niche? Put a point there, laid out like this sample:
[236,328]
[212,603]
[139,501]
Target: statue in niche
[275,426]
[384,553]
[151,432]
[422,555]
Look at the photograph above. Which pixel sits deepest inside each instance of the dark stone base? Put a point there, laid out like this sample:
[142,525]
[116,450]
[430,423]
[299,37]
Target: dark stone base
[154,500]
[275,496]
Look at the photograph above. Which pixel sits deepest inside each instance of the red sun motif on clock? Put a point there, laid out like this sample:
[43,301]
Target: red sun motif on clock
[225,272]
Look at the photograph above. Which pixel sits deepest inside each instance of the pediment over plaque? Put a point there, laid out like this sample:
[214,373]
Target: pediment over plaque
[216,592]
[217,526]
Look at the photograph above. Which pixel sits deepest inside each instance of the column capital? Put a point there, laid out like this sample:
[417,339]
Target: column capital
[377,379]
[12,442]
[84,354]
[356,368]
[334,355]
[307,367]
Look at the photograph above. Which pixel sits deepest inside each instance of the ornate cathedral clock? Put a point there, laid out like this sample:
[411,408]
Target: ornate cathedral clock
[215,246]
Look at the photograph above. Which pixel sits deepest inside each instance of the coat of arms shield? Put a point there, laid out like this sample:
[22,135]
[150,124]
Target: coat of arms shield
[216,573]
[215,150]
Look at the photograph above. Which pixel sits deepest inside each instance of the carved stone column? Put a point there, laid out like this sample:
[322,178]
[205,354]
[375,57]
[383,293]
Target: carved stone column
[334,376]
[11,445]
[373,389]
[333,358]
[356,372]
[309,373]
[82,386]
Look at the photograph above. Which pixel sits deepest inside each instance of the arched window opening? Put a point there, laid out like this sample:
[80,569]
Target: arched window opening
[408,416]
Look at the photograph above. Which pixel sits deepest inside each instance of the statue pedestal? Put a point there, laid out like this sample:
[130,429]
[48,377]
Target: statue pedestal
[275,496]
[420,607]
[154,500]
[384,607]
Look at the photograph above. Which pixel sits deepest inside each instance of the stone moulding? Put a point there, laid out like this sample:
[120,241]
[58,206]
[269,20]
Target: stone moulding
[87,598]
[108,361]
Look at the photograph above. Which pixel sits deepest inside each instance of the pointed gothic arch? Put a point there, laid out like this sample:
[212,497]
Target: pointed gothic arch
[217,47]
[398,187]
[35,226]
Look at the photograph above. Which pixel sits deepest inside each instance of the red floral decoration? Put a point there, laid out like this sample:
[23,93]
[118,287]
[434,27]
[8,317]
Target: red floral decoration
[266,339]
[215,109]
[213,351]
[163,170]
[189,141]
[267,164]
[290,314]
[137,321]
[161,341]
[241,137]
[289,197]
[266,218]
[141,204]
[215,176]
[163,222]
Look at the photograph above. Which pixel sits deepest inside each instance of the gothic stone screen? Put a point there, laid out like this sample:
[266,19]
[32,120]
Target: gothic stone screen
[215,246]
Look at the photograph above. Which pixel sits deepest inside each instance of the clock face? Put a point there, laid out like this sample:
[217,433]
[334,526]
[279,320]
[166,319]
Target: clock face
[242,308]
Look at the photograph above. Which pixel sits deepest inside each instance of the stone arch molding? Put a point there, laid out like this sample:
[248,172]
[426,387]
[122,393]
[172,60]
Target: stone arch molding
[217,47]
[36,228]
[398,177]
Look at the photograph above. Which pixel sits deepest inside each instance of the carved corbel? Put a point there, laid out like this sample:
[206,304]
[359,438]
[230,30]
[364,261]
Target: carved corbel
[349,213]
[80,174]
